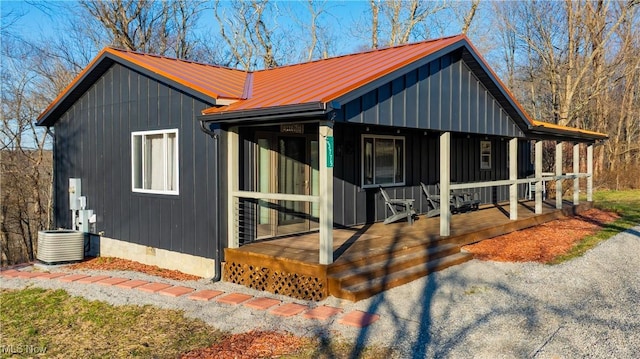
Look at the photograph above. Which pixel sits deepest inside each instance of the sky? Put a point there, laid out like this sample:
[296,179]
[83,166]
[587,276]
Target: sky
[42,18]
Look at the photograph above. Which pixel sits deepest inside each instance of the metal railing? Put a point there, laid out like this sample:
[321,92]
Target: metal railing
[246,212]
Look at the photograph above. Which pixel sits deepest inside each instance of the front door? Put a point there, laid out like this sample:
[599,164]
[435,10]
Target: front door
[287,164]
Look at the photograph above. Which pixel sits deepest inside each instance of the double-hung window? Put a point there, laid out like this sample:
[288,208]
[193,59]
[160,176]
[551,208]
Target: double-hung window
[154,161]
[485,155]
[383,160]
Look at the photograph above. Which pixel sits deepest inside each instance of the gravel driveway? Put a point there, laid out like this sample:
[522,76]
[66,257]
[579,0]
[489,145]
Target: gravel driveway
[588,307]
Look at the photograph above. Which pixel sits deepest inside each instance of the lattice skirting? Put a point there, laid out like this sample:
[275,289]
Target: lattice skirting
[278,282]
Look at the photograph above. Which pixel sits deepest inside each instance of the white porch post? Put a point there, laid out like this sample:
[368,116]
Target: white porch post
[559,173]
[445,179]
[538,174]
[590,173]
[576,171]
[232,185]
[513,176]
[325,143]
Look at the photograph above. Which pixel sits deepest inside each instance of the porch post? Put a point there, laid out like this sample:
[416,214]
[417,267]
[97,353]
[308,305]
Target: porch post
[559,173]
[445,178]
[325,143]
[538,174]
[232,185]
[513,176]
[576,171]
[590,172]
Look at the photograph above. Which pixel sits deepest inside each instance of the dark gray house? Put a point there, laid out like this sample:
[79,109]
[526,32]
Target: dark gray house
[180,159]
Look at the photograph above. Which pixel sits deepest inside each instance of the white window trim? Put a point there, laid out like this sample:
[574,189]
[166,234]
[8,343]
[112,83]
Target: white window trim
[482,166]
[362,160]
[176,159]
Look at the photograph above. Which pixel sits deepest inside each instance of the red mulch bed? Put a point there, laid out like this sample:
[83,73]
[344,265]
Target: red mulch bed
[253,344]
[544,242]
[111,263]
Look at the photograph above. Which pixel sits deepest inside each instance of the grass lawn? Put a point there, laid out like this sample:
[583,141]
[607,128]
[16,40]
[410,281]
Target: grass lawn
[37,322]
[55,324]
[624,203]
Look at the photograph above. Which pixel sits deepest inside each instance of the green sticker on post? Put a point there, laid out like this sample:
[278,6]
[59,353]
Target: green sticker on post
[330,151]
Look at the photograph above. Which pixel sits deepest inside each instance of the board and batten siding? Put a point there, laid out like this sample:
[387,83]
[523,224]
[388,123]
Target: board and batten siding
[442,95]
[93,143]
[354,205]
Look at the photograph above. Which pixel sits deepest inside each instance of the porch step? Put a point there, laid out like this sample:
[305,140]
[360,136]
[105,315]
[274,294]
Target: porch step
[355,272]
[360,282]
[430,250]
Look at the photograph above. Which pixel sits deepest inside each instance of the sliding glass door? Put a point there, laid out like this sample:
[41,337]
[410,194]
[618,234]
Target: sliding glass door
[287,164]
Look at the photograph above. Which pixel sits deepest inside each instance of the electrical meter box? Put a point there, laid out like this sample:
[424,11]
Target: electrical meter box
[75,190]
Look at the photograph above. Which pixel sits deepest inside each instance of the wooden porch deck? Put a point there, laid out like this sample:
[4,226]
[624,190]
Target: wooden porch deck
[374,257]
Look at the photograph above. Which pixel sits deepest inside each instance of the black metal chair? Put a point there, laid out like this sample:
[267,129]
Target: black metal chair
[407,204]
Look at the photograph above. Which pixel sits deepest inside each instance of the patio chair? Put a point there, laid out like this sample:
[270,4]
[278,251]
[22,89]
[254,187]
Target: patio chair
[459,201]
[396,215]
[433,199]
[532,186]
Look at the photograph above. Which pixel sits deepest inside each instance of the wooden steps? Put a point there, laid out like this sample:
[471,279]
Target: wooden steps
[360,279]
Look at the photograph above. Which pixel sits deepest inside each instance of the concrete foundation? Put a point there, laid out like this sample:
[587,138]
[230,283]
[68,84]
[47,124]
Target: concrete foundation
[186,263]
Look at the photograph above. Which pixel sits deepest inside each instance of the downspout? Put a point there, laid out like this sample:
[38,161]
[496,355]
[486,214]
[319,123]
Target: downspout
[217,256]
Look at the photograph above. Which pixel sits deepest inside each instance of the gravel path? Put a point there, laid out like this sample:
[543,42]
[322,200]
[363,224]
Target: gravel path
[588,307]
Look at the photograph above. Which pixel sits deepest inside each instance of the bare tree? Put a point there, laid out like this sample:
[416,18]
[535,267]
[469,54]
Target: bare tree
[556,36]
[395,22]
[158,27]
[468,18]
[34,72]
[318,44]
[403,21]
[375,6]
[25,164]
[575,63]
[244,29]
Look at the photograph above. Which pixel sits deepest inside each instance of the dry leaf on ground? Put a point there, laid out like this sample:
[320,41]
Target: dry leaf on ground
[112,263]
[253,344]
[544,242]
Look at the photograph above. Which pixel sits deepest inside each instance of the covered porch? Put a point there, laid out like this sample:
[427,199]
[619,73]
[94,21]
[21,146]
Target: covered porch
[287,186]
[374,257]
[303,203]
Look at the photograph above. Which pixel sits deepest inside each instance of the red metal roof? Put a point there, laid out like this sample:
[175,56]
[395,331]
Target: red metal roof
[214,81]
[319,82]
[328,79]
[554,126]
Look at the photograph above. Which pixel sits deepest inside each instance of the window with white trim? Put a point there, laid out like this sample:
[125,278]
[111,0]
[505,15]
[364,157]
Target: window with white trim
[383,160]
[485,155]
[154,161]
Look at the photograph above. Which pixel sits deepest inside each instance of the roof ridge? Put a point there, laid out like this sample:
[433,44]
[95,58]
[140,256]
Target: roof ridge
[112,48]
[176,59]
[362,52]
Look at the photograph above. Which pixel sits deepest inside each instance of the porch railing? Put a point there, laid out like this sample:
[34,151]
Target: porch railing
[470,185]
[245,213]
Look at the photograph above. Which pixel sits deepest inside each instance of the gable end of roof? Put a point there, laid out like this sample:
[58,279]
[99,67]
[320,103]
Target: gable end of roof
[106,58]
